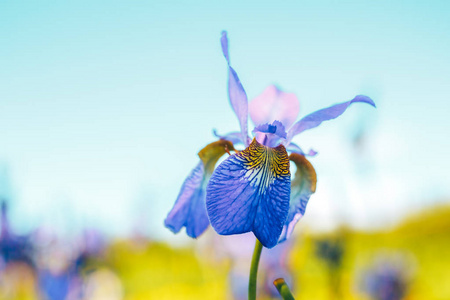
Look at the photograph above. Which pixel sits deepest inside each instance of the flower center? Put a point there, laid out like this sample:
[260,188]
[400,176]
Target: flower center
[270,135]
[272,128]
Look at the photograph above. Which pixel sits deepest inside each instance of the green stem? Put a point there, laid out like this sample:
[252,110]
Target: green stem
[254,270]
[283,289]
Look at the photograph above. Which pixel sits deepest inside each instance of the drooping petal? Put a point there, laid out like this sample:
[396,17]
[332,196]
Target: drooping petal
[274,104]
[249,191]
[189,209]
[212,152]
[236,92]
[189,203]
[270,135]
[302,187]
[316,118]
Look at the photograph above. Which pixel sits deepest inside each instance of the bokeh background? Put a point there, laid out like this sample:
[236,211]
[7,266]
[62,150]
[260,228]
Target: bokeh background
[104,105]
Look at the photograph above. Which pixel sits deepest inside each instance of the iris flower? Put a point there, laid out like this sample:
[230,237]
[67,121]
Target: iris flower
[252,190]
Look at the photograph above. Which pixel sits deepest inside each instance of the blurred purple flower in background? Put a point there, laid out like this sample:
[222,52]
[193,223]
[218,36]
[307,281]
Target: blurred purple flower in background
[252,190]
[275,264]
[55,286]
[389,277]
[13,248]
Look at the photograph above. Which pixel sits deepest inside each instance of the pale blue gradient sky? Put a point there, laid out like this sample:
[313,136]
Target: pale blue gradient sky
[104,105]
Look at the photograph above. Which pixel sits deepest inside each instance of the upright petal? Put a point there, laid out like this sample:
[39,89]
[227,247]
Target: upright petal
[249,191]
[236,92]
[274,104]
[302,187]
[189,209]
[316,118]
[224,44]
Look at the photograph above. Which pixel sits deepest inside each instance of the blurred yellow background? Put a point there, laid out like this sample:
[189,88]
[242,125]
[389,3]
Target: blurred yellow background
[138,268]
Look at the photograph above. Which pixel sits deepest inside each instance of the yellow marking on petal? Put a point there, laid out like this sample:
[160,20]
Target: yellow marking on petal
[212,152]
[264,164]
[305,173]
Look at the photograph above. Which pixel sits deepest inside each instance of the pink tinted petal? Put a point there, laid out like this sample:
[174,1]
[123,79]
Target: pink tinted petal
[274,104]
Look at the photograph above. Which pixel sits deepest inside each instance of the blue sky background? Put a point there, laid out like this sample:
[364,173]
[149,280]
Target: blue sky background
[104,104]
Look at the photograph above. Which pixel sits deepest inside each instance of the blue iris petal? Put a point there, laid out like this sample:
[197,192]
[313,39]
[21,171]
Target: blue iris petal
[249,191]
[236,92]
[189,208]
[276,128]
[270,135]
[316,118]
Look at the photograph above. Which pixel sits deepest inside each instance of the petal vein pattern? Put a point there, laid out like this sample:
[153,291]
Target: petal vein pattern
[249,191]
[189,209]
